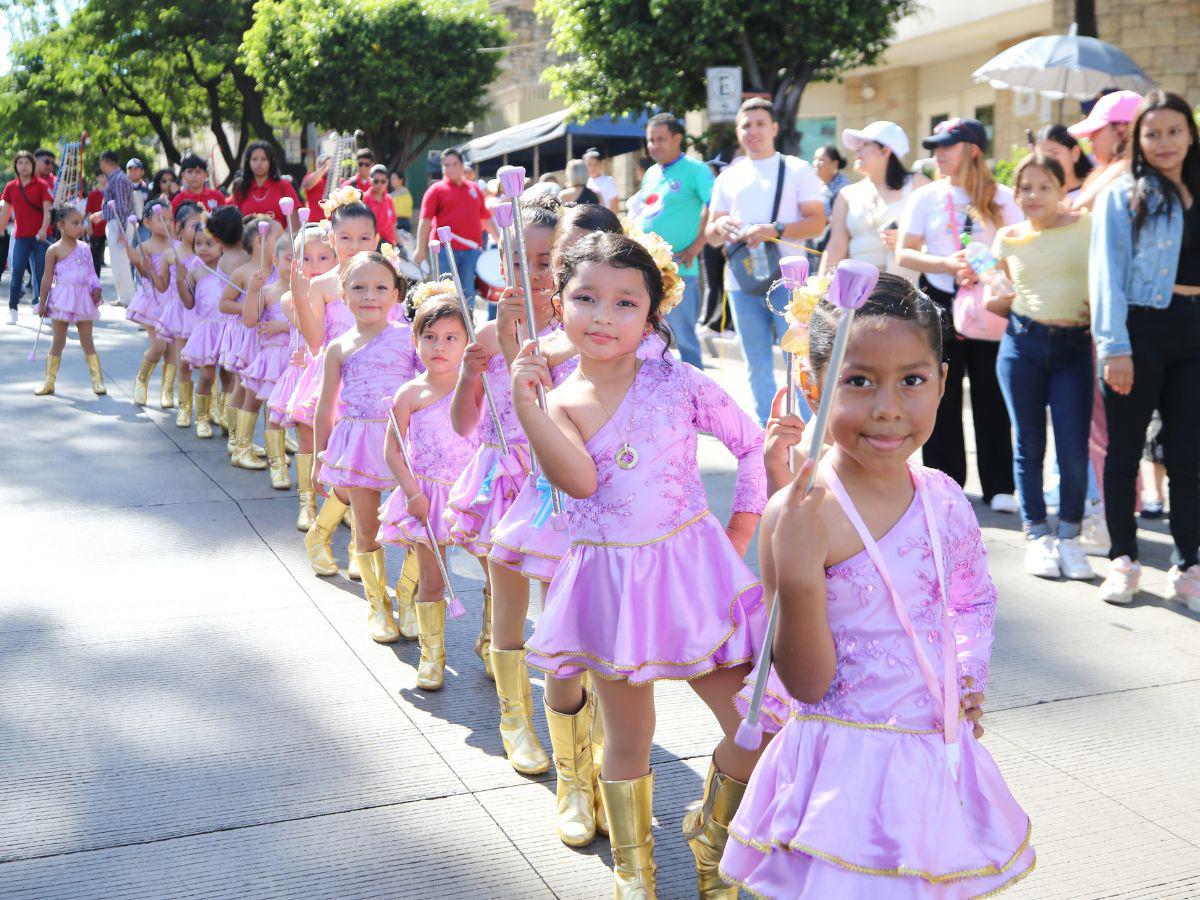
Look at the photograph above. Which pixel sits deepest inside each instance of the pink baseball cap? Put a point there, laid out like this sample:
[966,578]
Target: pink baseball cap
[1119,106]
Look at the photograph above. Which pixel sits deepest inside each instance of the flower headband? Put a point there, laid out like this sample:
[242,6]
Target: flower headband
[799,312]
[343,196]
[428,290]
[664,257]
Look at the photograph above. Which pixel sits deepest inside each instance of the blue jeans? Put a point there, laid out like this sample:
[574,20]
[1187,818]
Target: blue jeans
[1039,366]
[466,261]
[682,320]
[759,330]
[26,252]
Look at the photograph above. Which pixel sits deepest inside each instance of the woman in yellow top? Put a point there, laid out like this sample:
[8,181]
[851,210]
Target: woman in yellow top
[1045,358]
[402,200]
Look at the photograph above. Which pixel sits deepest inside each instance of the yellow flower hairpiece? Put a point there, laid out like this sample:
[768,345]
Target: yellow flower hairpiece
[343,196]
[427,290]
[664,257]
[799,312]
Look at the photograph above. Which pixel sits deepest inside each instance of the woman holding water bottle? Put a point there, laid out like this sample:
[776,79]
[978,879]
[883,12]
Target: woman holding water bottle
[939,220]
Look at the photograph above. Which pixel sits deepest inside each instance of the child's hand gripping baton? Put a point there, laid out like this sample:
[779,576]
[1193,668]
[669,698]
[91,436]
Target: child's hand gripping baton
[456,608]
[512,181]
[446,236]
[852,284]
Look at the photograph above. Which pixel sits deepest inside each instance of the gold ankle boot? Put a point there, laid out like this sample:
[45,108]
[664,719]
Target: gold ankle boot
[431,621]
[243,456]
[52,363]
[406,593]
[516,713]
[597,754]
[575,794]
[277,457]
[141,384]
[183,418]
[706,827]
[316,541]
[483,643]
[203,424]
[93,364]
[630,808]
[304,490]
[374,578]
[166,396]
[353,572]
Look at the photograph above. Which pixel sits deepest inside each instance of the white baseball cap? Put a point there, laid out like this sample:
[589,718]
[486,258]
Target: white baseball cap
[889,134]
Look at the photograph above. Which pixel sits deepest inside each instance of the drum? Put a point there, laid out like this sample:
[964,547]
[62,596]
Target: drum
[489,283]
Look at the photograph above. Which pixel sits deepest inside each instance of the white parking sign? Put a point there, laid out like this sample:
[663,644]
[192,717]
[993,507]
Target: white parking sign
[724,92]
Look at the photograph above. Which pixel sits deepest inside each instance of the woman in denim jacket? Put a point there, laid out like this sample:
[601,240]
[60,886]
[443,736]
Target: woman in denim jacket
[1144,275]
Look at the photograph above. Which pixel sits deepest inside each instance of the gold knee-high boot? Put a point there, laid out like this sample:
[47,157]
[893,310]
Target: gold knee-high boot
[229,424]
[630,808]
[183,418]
[278,461]
[431,623]
[483,643]
[141,384]
[406,593]
[316,541]
[373,566]
[575,793]
[304,490]
[353,572]
[706,827]
[166,394]
[516,713]
[203,424]
[94,370]
[289,443]
[216,409]
[47,387]
[597,751]
[243,456]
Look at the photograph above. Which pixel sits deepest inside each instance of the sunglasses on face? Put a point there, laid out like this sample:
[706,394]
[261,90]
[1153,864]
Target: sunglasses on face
[364,163]
[378,181]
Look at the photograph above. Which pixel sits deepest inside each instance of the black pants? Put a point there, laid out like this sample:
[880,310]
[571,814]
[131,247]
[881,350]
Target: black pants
[97,244]
[1166,377]
[3,252]
[714,291]
[946,448]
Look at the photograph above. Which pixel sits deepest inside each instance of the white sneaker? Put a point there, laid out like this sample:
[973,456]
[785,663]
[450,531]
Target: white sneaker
[1185,586]
[1121,582]
[1094,536]
[12,317]
[1073,561]
[1040,557]
[1005,503]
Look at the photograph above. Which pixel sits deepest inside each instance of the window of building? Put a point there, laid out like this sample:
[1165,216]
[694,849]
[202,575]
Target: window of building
[987,117]
[935,121]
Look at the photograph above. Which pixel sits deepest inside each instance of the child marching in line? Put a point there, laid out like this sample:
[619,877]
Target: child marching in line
[200,289]
[70,293]
[439,455]
[178,320]
[886,611]
[263,311]
[226,225]
[363,368]
[149,257]
[653,587]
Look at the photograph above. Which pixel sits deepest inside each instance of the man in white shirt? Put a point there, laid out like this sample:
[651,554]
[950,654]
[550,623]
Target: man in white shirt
[742,200]
[605,186]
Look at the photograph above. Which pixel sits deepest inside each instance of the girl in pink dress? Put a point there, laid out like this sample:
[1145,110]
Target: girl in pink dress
[177,320]
[200,288]
[225,224]
[363,369]
[877,786]
[263,311]
[312,256]
[150,258]
[653,586]
[422,411]
[70,293]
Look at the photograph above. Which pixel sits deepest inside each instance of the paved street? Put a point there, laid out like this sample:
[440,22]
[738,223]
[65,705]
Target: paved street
[188,712]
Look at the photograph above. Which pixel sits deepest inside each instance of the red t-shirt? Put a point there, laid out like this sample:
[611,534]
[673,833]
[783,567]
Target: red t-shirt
[202,198]
[264,198]
[461,206]
[313,196]
[385,216]
[95,203]
[29,216]
[363,184]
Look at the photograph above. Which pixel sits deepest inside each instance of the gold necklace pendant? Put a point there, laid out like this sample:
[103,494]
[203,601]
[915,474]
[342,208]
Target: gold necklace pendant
[626,457]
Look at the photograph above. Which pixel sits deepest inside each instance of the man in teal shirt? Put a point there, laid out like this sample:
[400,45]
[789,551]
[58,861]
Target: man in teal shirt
[674,199]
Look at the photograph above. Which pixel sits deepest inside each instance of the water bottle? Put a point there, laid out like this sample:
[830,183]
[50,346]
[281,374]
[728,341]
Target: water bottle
[984,263]
[760,266]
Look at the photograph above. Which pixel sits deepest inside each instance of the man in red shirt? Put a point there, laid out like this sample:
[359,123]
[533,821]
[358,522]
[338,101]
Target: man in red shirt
[194,172]
[362,178]
[27,198]
[44,170]
[459,203]
[95,203]
[380,203]
[313,186]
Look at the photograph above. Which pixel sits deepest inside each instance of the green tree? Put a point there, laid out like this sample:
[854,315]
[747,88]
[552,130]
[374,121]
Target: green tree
[627,55]
[400,70]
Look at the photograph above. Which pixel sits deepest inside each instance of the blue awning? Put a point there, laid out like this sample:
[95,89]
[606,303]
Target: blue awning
[541,143]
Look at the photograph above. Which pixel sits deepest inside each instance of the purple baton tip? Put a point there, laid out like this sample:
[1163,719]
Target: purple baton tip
[445,234]
[503,214]
[853,281]
[286,205]
[512,179]
[794,270]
